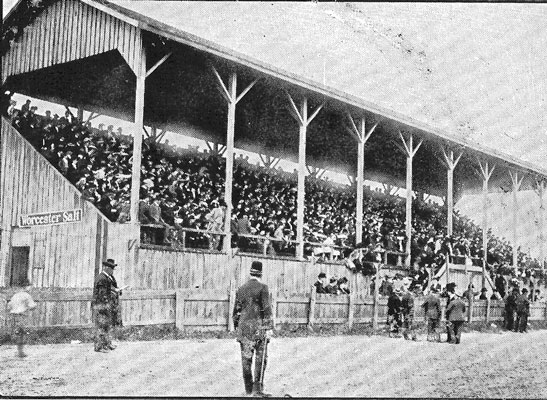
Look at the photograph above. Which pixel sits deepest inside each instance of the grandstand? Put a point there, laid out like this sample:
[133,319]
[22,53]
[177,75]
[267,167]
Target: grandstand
[91,193]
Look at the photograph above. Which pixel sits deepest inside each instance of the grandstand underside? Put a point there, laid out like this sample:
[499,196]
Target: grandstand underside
[108,59]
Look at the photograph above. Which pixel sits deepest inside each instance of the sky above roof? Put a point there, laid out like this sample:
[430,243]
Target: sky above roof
[475,70]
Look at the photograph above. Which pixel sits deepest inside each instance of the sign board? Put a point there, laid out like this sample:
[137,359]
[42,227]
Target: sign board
[51,218]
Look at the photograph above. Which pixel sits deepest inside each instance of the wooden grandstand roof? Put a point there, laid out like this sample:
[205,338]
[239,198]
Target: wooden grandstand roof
[470,74]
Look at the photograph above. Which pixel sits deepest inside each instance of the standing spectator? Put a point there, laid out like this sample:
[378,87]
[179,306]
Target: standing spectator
[252,317]
[523,311]
[500,284]
[511,309]
[215,221]
[394,313]
[320,284]
[19,306]
[484,293]
[105,306]
[455,314]
[432,308]
[243,228]
[25,107]
[407,312]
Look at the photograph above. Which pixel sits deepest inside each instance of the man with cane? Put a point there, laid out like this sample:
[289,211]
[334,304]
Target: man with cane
[252,317]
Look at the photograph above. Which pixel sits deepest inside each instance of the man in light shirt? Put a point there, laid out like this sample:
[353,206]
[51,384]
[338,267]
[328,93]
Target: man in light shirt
[19,307]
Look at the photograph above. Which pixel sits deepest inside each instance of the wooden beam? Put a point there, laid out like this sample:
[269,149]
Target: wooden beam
[301,178]
[222,87]
[137,139]
[232,90]
[540,190]
[451,164]
[411,151]
[486,174]
[516,186]
[160,62]
[246,90]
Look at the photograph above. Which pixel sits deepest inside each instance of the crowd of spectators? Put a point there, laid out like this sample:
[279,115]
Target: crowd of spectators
[184,188]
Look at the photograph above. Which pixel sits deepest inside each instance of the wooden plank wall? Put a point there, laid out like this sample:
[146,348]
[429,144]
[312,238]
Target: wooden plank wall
[60,255]
[69,30]
[165,269]
[210,309]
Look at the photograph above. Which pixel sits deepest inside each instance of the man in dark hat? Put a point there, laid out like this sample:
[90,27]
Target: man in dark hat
[105,306]
[320,284]
[252,317]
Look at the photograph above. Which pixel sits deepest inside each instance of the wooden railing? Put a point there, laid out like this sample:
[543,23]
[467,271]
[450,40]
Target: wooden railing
[197,309]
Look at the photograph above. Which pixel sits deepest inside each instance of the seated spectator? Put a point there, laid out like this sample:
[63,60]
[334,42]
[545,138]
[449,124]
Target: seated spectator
[343,285]
[332,287]
[320,285]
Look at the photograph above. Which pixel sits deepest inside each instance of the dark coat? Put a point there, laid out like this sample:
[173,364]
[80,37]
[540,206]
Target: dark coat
[106,300]
[393,304]
[252,313]
[319,288]
[455,311]
[511,303]
[432,307]
[523,305]
[407,304]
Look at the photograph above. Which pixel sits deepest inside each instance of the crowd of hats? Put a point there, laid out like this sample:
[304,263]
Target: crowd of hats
[184,184]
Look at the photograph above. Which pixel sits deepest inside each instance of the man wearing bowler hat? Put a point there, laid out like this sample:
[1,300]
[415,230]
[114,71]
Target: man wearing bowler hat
[252,317]
[105,306]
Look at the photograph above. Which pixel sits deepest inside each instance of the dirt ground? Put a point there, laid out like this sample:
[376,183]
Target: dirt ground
[483,365]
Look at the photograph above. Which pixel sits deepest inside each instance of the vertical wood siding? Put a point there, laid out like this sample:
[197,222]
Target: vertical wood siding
[60,255]
[66,31]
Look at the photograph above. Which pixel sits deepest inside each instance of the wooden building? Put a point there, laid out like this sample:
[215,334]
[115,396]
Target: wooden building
[112,57]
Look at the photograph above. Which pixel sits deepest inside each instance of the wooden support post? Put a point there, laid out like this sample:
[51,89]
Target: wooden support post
[351,308]
[470,309]
[486,174]
[301,117]
[540,190]
[451,164]
[179,309]
[274,308]
[230,95]
[410,151]
[488,303]
[362,137]
[516,186]
[140,73]
[311,314]
[80,114]
[375,299]
[231,305]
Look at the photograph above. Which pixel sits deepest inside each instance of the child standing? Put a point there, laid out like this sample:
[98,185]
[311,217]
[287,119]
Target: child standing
[19,307]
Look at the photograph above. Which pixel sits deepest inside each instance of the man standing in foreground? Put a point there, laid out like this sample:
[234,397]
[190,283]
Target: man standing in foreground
[523,311]
[253,322]
[432,308]
[407,310]
[19,306]
[105,306]
[455,314]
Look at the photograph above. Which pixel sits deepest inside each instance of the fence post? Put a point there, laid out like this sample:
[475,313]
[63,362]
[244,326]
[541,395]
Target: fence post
[375,299]
[311,316]
[274,309]
[487,310]
[470,310]
[231,304]
[351,308]
[179,309]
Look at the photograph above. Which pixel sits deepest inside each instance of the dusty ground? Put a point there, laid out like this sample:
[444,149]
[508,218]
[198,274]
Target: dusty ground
[484,365]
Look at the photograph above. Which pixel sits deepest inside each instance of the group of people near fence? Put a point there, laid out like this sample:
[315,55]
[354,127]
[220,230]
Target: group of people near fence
[334,285]
[401,311]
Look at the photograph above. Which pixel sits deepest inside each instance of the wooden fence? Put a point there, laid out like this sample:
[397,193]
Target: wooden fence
[211,309]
